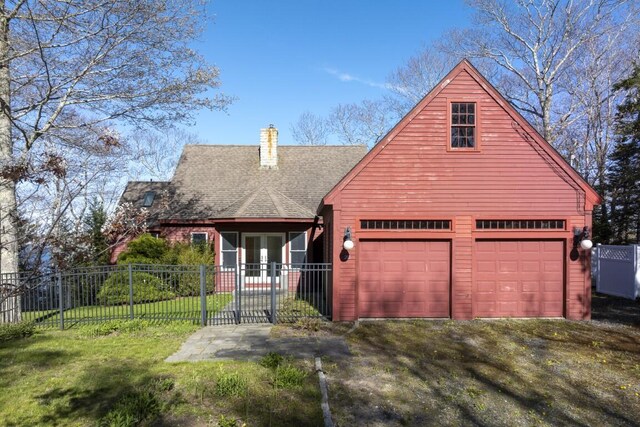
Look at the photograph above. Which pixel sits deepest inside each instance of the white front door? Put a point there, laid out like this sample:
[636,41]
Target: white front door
[259,251]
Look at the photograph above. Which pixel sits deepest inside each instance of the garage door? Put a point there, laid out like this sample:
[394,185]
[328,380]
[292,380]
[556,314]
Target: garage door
[519,279]
[403,278]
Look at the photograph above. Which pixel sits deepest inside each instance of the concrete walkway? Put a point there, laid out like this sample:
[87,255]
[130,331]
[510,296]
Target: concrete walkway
[251,342]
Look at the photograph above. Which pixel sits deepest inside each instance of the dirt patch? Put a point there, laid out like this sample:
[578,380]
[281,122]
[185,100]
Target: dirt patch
[606,308]
[311,327]
[497,373]
[494,373]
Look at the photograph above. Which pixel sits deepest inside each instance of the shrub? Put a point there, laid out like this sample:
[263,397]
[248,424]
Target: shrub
[188,284]
[194,255]
[146,288]
[144,249]
[13,331]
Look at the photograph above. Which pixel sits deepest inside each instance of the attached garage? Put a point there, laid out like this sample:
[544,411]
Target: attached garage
[404,278]
[519,278]
[462,210]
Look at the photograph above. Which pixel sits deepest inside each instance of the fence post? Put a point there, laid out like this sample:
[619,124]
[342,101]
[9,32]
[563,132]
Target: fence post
[237,290]
[131,291]
[598,250]
[203,295]
[636,270]
[273,293]
[61,300]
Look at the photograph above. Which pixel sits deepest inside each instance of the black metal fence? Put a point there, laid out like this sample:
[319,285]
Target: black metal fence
[247,293]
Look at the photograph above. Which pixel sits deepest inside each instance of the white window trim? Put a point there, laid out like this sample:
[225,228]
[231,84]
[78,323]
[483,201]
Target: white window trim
[222,251]
[289,242]
[206,236]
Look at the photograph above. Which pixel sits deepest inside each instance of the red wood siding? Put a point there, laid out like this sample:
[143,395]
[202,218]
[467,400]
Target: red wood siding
[414,175]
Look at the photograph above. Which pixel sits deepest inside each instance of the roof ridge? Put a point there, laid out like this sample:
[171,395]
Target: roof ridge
[279,146]
[247,202]
[276,202]
[294,202]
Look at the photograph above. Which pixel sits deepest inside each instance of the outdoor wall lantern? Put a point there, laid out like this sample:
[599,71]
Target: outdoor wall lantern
[347,242]
[581,237]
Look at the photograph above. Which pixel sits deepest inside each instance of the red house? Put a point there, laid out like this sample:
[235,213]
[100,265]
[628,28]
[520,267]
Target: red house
[253,205]
[462,210]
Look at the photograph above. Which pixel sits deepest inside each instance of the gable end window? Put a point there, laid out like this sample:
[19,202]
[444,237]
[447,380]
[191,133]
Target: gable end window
[463,125]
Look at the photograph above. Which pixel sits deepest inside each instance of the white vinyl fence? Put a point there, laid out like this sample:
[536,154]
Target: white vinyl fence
[617,270]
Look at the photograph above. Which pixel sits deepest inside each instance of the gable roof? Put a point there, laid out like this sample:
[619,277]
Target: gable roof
[226,182]
[528,131]
[135,191]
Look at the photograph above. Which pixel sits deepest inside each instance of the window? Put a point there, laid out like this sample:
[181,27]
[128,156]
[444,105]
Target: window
[463,125]
[520,224]
[411,224]
[229,249]
[298,248]
[199,239]
[149,196]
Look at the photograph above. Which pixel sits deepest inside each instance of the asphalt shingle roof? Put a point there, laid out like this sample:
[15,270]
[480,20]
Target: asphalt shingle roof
[226,181]
[134,193]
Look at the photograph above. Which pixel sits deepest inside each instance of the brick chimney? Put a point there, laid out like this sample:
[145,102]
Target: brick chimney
[269,148]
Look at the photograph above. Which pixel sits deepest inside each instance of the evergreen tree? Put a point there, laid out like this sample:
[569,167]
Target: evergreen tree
[624,175]
[95,221]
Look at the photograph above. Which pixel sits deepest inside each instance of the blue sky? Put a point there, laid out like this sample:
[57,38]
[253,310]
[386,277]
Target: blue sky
[281,58]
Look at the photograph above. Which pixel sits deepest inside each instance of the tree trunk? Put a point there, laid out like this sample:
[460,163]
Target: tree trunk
[9,299]
[545,105]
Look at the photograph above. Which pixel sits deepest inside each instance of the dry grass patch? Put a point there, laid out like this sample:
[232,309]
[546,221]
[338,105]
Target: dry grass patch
[526,372]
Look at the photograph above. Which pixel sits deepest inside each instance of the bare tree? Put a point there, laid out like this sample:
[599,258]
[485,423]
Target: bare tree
[591,139]
[362,124]
[83,67]
[414,79]
[536,43]
[310,129]
[154,154]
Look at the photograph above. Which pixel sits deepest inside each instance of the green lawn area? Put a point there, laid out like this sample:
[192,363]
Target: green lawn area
[181,308]
[75,378]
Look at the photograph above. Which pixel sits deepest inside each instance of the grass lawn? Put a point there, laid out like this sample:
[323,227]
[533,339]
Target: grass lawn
[78,378]
[181,308]
[493,373]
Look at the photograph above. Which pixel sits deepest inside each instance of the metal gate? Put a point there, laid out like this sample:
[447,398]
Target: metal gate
[271,293]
